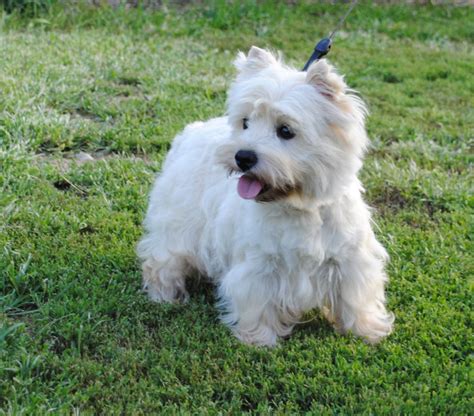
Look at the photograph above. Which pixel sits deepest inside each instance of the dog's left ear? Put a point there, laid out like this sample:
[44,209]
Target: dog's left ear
[256,60]
[323,76]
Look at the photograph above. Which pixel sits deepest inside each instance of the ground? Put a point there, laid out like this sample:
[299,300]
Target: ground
[90,100]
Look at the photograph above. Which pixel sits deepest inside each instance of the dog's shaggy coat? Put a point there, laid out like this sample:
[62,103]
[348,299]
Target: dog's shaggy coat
[280,234]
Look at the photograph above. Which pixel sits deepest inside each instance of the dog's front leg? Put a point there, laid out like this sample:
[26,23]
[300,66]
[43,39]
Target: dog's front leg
[248,307]
[359,304]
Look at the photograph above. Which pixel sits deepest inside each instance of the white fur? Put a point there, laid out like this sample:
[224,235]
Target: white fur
[272,261]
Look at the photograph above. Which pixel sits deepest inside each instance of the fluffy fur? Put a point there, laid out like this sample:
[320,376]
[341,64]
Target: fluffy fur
[305,241]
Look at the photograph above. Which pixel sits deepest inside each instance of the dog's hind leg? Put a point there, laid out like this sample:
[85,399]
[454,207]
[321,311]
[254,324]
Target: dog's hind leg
[164,279]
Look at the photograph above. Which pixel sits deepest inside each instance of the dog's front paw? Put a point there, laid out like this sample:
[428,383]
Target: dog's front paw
[373,327]
[378,328]
[262,336]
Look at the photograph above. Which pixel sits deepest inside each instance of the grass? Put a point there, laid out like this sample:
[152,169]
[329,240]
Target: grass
[76,333]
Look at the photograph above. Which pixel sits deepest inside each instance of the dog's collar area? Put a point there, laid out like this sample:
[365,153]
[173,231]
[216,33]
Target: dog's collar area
[324,45]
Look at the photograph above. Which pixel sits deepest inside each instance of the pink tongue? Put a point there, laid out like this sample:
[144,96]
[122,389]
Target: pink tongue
[249,188]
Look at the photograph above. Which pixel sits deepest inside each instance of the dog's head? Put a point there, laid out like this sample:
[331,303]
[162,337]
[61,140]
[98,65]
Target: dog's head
[294,134]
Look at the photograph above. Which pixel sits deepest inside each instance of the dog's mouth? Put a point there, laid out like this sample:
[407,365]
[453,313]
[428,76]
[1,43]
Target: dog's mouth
[253,187]
[250,187]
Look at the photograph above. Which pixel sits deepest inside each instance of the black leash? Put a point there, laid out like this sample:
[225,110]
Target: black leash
[324,45]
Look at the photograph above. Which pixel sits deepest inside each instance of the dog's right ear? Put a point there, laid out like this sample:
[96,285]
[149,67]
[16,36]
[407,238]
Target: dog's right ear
[325,78]
[256,60]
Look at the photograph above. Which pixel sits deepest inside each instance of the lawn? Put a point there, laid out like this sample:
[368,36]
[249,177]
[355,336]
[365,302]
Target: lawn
[89,102]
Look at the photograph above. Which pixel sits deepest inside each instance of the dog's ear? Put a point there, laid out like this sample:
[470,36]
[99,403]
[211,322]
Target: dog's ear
[256,60]
[323,76]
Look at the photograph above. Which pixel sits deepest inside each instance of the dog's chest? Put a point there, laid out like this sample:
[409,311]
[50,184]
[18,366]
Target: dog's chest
[290,242]
[270,239]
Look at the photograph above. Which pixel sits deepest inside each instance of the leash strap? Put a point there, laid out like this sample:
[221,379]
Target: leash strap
[324,45]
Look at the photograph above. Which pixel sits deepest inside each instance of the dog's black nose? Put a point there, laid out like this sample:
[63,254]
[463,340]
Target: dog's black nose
[246,159]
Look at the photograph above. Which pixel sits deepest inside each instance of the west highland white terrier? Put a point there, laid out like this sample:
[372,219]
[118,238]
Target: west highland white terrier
[266,202]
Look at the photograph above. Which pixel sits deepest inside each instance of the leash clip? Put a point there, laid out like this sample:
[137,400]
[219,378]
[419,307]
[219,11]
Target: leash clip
[321,49]
[324,45]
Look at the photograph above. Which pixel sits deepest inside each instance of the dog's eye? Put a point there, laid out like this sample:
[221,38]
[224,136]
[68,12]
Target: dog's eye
[284,132]
[245,123]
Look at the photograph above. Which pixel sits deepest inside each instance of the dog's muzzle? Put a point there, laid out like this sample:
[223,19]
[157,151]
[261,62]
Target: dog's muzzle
[246,159]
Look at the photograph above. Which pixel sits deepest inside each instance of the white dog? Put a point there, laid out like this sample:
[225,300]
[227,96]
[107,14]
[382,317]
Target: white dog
[266,202]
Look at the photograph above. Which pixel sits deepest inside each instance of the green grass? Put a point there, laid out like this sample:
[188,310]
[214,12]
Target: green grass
[76,332]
